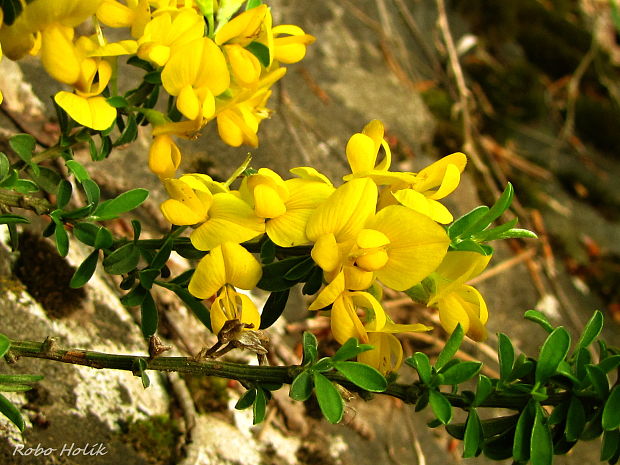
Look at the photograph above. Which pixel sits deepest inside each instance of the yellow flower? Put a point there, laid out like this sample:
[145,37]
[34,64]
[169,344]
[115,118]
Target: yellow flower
[20,38]
[136,14]
[456,301]
[164,156]
[89,76]
[397,245]
[377,330]
[244,28]
[196,74]
[290,48]
[167,31]
[434,182]
[286,205]
[226,267]
[244,65]
[196,198]
[239,118]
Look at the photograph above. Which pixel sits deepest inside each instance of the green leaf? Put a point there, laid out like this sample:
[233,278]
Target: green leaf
[62,239]
[246,399]
[483,390]
[599,381]
[323,365]
[267,251]
[515,233]
[226,9]
[194,304]
[118,101]
[451,347]
[92,191]
[9,218]
[253,4]
[553,351]
[461,372]
[575,419]
[611,412]
[301,387]
[260,406]
[103,238]
[559,413]
[78,170]
[310,345]
[162,255]
[540,318]
[5,345]
[499,447]
[5,166]
[274,279]
[609,363]
[273,308]
[494,212]
[260,51]
[591,331]
[11,412]
[611,443]
[473,435]
[121,204]
[441,406]
[63,195]
[523,433]
[78,213]
[153,77]
[122,260]
[422,364]
[329,398]
[46,179]
[457,228]
[149,316]
[86,232]
[300,271]
[541,448]
[23,145]
[362,375]
[350,349]
[25,186]
[506,355]
[140,366]
[20,379]
[85,271]
[147,276]
[314,282]
[129,134]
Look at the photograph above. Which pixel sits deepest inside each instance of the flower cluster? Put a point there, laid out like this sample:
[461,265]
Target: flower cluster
[378,226]
[214,67]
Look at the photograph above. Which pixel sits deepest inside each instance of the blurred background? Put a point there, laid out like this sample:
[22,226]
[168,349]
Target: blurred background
[528,89]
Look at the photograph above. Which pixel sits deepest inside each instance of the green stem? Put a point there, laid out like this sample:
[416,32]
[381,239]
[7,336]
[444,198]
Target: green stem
[409,394]
[28,202]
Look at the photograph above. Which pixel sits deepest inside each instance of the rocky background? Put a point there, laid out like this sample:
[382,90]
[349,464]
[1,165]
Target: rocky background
[541,98]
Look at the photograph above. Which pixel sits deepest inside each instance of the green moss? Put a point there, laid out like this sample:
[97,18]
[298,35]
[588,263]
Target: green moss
[154,438]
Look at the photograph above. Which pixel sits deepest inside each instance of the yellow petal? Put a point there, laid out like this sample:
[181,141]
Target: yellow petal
[210,275]
[358,279]
[417,246]
[306,172]
[249,312]
[433,175]
[345,323]
[245,66]
[375,315]
[243,27]
[329,294]
[188,103]
[419,202]
[230,219]
[361,153]
[289,229]
[387,355]
[267,202]
[456,269]
[326,252]
[92,112]
[344,213]
[213,72]
[115,14]
[58,54]
[164,156]
[242,269]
